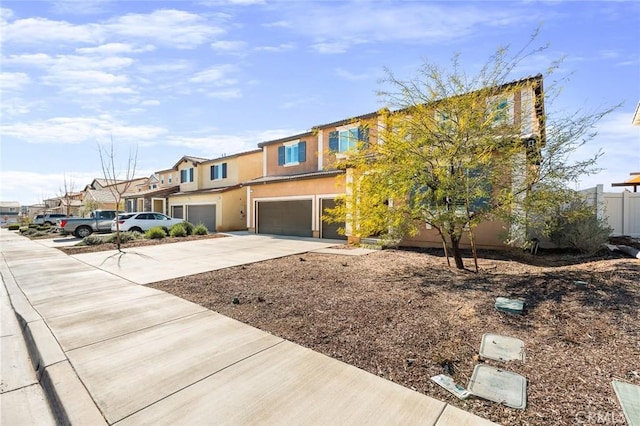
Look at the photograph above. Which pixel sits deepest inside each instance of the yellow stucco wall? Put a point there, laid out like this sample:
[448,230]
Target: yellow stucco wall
[230,207]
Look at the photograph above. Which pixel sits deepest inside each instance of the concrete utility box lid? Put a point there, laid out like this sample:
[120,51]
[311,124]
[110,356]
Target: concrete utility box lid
[501,348]
[503,387]
[513,306]
[629,397]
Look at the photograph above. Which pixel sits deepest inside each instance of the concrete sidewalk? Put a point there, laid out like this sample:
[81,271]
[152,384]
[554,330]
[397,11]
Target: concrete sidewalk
[110,351]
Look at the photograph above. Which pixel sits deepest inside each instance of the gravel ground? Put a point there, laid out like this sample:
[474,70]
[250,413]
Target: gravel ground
[403,315]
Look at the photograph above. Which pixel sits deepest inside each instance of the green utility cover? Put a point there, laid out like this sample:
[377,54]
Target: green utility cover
[629,397]
[501,348]
[513,306]
[503,387]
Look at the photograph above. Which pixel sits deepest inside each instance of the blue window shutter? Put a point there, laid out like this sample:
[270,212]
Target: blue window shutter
[280,155]
[363,135]
[302,152]
[224,170]
[191,174]
[333,141]
[213,172]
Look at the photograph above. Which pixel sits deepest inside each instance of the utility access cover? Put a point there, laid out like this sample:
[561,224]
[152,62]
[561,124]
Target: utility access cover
[513,306]
[501,348]
[503,387]
[629,397]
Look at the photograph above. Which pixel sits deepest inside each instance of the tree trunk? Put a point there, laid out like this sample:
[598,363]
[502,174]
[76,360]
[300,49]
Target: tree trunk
[457,255]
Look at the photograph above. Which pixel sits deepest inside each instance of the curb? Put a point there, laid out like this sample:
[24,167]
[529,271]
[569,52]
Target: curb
[68,399]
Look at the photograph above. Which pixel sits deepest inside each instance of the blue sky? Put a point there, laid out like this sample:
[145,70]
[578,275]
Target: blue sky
[211,77]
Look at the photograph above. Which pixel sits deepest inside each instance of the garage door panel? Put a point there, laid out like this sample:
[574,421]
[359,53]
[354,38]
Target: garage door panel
[205,214]
[330,230]
[291,217]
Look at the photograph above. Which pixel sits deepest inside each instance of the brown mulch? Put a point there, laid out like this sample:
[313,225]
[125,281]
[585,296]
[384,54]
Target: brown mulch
[403,315]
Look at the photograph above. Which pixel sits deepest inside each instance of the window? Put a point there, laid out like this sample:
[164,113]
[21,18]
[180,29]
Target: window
[170,178]
[292,154]
[347,139]
[500,110]
[219,171]
[186,175]
[162,180]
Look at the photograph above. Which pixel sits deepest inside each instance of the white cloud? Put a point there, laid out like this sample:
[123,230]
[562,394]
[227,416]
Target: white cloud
[228,45]
[115,48]
[283,47]
[217,75]
[18,185]
[216,145]
[225,94]
[169,27]
[80,7]
[339,26]
[37,31]
[72,130]
[619,141]
[13,81]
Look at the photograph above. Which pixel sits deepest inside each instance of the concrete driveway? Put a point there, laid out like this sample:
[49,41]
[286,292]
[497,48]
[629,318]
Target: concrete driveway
[144,265]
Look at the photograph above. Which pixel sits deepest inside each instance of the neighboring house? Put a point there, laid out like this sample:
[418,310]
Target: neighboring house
[102,195]
[151,195]
[9,212]
[211,192]
[69,204]
[300,180]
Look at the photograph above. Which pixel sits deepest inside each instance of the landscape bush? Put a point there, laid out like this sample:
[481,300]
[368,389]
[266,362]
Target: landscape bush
[188,226]
[92,240]
[577,226]
[125,237]
[200,229]
[178,230]
[155,233]
[14,227]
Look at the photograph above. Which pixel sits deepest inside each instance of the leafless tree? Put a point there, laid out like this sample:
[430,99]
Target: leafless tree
[67,193]
[118,179]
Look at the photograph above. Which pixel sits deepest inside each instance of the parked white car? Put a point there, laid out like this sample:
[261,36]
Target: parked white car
[141,222]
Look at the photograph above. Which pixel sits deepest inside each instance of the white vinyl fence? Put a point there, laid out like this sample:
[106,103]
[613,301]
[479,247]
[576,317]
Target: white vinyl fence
[620,209]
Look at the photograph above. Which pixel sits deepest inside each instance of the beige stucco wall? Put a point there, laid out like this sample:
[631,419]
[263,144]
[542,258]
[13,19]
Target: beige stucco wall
[230,207]
[239,169]
[188,186]
[486,235]
[310,165]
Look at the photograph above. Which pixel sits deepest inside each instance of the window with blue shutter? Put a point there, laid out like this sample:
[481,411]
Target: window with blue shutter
[289,155]
[219,171]
[281,155]
[183,176]
[333,141]
[302,152]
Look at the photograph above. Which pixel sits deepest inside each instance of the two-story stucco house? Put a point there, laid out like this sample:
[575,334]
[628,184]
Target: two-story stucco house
[300,179]
[210,191]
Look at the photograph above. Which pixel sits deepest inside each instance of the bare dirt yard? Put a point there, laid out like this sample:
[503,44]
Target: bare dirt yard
[405,316]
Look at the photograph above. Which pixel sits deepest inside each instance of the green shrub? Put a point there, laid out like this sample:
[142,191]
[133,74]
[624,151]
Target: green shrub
[155,233]
[92,240]
[577,226]
[178,230]
[14,227]
[33,225]
[125,237]
[200,230]
[188,227]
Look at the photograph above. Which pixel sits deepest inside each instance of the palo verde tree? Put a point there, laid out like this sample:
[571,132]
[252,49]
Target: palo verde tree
[118,179]
[459,149]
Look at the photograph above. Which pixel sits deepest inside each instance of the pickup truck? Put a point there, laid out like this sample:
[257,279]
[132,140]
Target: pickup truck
[98,221]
